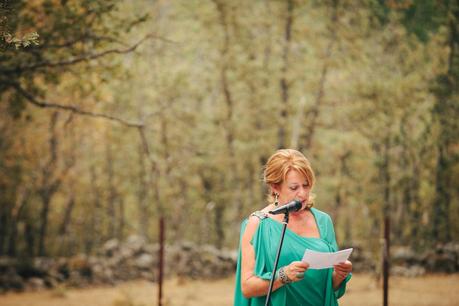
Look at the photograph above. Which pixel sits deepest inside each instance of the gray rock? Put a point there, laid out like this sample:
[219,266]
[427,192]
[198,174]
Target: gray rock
[402,254]
[145,261]
[110,247]
[412,271]
[135,244]
[10,280]
[35,283]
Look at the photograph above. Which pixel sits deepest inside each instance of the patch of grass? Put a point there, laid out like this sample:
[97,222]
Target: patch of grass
[126,300]
[59,292]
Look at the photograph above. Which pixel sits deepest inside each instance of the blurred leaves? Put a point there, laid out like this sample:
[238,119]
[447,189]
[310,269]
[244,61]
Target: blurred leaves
[203,82]
[25,41]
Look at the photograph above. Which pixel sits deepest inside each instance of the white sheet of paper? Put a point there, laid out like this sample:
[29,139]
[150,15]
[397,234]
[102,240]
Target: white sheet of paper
[320,260]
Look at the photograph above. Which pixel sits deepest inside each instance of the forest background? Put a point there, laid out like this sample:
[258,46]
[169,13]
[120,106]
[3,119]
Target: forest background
[116,112]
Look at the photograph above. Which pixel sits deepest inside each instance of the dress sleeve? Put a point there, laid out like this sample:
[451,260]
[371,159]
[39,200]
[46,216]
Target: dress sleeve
[331,238]
[239,298]
[261,269]
[342,288]
[330,234]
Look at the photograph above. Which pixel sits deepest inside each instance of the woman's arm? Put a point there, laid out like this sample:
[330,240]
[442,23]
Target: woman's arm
[251,285]
[340,272]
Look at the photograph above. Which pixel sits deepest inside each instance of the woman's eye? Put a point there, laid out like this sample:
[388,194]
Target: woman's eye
[293,188]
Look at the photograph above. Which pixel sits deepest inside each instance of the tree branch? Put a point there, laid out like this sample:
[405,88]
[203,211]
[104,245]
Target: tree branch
[43,104]
[83,58]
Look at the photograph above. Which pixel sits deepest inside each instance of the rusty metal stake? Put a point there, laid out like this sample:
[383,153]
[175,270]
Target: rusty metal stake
[161,261]
[386,257]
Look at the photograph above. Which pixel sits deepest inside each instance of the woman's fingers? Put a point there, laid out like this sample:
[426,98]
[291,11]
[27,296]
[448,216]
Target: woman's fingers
[296,269]
[341,273]
[300,265]
[343,269]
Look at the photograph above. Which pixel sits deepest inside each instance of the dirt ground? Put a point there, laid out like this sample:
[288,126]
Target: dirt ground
[438,290]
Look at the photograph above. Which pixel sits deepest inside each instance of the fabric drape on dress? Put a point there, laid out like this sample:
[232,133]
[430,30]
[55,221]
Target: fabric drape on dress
[316,289]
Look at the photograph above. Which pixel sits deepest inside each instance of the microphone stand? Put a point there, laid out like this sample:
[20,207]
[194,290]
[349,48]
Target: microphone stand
[273,276]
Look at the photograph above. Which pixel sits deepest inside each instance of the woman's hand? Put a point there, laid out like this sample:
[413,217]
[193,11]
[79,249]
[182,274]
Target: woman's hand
[295,270]
[340,271]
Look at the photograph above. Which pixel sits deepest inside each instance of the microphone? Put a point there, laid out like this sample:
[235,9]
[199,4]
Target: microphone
[294,205]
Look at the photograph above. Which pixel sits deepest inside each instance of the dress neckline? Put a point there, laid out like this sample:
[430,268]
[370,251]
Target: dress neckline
[289,230]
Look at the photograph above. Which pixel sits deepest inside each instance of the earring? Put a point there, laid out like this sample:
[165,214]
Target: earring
[276,199]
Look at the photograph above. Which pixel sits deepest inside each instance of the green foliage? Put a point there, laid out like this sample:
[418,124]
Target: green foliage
[209,91]
[27,40]
[424,17]
[420,17]
[40,43]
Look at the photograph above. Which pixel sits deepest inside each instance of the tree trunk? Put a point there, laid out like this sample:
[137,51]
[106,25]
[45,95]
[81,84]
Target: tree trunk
[313,114]
[284,85]
[46,199]
[205,226]
[219,214]
[95,232]
[229,129]
[50,184]
[121,219]
[447,106]
[112,193]
[4,222]
[142,195]
[23,198]
[415,208]
[385,175]
[441,226]
[67,217]
[340,189]
[29,233]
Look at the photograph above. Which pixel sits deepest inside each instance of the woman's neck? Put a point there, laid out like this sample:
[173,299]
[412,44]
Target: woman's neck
[299,215]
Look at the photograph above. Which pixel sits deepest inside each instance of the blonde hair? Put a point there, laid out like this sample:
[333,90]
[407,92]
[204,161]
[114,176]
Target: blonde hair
[280,163]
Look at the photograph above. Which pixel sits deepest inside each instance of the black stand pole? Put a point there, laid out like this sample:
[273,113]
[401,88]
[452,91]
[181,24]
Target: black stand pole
[273,276]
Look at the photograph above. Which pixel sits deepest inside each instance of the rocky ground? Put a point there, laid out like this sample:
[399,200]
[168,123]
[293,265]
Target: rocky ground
[135,259]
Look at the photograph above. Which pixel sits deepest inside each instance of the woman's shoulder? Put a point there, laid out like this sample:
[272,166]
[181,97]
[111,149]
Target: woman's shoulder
[253,223]
[260,214]
[257,216]
[319,214]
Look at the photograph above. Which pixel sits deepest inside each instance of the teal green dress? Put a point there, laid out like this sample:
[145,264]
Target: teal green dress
[316,288]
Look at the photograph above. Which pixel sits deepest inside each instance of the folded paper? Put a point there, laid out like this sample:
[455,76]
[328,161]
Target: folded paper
[320,260]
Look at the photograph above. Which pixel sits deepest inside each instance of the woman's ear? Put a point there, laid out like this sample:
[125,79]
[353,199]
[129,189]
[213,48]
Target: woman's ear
[275,188]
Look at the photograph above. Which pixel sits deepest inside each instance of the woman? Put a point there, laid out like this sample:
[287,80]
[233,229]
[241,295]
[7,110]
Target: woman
[289,176]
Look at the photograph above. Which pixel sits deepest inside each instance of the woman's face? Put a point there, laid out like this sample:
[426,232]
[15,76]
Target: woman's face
[294,187]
